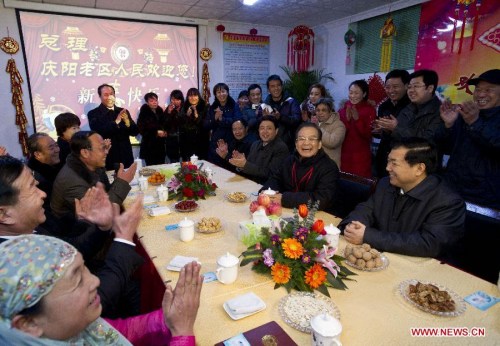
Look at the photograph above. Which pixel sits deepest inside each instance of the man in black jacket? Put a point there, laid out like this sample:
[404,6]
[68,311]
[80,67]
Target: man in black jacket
[116,124]
[21,212]
[412,211]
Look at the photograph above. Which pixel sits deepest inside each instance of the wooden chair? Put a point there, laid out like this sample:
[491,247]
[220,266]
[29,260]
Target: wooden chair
[351,190]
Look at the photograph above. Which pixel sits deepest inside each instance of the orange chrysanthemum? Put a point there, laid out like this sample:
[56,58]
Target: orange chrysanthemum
[315,276]
[281,273]
[292,248]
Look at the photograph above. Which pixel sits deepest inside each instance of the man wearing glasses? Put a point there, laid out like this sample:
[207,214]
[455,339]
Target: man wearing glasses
[421,117]
[307,175]
[396,85]
[83,169]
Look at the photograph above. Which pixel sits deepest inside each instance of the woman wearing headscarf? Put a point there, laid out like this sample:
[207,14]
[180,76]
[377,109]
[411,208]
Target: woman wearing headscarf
[49,297]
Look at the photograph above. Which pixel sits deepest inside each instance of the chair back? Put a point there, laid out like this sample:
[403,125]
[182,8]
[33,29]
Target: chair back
[352,189]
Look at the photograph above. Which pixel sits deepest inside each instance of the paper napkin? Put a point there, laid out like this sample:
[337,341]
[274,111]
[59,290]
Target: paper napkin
[245,304]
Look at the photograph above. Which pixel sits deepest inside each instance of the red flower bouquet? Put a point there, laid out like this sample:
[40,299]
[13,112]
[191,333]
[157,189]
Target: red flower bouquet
[191,183]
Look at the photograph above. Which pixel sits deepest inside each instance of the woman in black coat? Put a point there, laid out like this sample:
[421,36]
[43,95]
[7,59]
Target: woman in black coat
[150,122]
[193,137]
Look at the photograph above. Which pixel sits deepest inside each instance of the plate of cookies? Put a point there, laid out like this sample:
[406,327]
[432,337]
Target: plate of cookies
[364,257]
[209,225]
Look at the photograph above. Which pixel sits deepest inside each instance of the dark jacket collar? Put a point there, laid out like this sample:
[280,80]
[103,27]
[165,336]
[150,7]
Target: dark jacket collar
[427,107]
[422,190]
[309,161]
[80,169]
[47,171]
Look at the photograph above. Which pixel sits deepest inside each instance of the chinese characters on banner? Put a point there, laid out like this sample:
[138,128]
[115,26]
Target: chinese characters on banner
[69,57]
[246,61]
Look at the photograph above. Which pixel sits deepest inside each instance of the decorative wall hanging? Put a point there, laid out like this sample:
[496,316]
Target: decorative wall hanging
[465,19]
[10,46]
[386,34]
[301,48]
[205,55]
[349,39]
[377,89]
[220,29]
[253,31]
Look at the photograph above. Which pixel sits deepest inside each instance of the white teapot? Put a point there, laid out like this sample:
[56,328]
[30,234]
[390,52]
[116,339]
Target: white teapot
[325,330]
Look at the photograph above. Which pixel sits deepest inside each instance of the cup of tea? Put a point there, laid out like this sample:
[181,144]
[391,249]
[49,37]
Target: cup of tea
[186,230]
[325,330]
[227,268]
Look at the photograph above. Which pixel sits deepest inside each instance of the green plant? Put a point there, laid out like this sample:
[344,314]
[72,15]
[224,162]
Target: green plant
[298,83]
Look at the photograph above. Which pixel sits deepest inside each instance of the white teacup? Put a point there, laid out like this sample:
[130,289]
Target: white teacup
[332,235]
[325,330]
[227,268]
[193,159]
[186,230]
[143,183]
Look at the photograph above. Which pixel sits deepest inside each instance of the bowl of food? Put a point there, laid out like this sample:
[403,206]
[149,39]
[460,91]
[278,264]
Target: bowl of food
[147,171]
[364,257]
[156,178]
[209,225]
[186,206]
[237,197]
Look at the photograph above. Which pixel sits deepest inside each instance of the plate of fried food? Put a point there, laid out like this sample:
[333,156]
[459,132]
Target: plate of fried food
[156,178]
[237,197]
[432,298]
[364,257]
[147,171]
[209,225]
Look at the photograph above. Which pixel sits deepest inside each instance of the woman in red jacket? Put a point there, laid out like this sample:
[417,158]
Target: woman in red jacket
[357,116]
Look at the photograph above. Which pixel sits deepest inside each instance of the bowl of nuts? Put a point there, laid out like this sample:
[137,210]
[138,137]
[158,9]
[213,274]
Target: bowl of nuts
[364,257]
[186,206]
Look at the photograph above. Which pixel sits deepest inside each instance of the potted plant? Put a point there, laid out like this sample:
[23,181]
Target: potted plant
[298,83]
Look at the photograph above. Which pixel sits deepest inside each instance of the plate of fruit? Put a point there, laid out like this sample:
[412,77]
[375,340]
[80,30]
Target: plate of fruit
[156,178]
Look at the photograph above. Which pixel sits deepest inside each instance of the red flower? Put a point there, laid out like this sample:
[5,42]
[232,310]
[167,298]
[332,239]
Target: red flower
[187,192]
[214,186]
[188,178]
[319,227]
[303,210]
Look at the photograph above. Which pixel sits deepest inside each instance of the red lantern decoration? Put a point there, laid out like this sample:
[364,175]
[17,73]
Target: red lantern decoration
[220,28]
[253,32]
[301,48]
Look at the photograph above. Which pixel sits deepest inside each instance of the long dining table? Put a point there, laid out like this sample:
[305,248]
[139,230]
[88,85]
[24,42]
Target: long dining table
[372,310]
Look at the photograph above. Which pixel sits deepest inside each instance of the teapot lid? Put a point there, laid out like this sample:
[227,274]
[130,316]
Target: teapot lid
[186,222]
[161,188]
[227,260]
[331,229]
[326,325]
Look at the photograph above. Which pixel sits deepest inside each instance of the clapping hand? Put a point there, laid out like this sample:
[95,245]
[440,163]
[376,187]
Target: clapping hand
[95,207]
[448,113]
[469,110]
[386,123]
[3,151]
[125,224]
[180,305]
[222,149]
[127,175]
[238,159]
[218,114]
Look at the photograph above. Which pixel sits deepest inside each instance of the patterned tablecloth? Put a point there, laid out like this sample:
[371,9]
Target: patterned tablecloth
[372,310]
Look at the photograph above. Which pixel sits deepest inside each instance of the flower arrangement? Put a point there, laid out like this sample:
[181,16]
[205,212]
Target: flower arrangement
[297,256]
[189,182]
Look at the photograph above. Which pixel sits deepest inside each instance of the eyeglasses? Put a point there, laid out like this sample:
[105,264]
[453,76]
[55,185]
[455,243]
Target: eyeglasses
[415,86]
[306,139]
[101,148]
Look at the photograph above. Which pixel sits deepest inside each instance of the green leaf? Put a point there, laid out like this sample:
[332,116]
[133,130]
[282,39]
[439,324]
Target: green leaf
[249,259]
[336,282]
[323,289]
[346,271]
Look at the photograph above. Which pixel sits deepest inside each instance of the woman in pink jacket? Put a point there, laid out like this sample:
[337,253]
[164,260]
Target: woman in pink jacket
[357,116]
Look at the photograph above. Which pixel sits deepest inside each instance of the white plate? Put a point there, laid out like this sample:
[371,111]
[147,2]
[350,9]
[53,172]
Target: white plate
[385,264]
[240,316]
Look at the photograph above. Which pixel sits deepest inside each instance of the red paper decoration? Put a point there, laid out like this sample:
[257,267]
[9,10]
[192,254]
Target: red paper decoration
[377,90]
[301,48]
[220,28]
[253,32]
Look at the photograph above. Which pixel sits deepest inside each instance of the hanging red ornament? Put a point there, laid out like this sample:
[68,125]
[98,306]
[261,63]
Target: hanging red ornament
[349,39]
[466,19]
[253,32]
[220,29]
[300,48]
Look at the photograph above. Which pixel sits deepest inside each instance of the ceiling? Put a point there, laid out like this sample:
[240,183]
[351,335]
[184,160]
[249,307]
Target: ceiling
[286,13]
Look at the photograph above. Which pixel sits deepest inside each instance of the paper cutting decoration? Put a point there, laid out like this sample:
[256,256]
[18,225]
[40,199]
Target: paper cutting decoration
[349,39]
[386,34]
[377,90]
[300,48]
